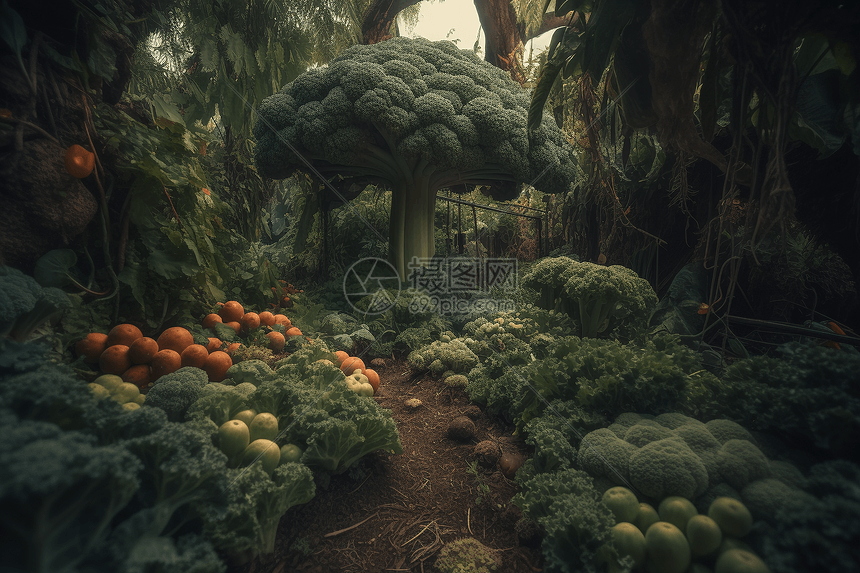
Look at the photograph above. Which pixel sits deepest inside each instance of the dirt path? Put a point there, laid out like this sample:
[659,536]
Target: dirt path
[394,513]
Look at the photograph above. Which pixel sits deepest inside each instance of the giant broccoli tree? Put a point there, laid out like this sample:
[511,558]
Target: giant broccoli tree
[416,116]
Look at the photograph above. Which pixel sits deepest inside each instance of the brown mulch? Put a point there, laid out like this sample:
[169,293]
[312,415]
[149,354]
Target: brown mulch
[395,512]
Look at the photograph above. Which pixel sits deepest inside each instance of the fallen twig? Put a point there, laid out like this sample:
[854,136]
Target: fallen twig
[468,517]
[359,485]
[345,529]
[419,533]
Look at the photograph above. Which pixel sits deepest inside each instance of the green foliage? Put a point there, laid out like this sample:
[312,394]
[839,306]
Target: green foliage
[25,305]
[410,106]
[59,491]
[171,253]
[575,521]
[466,555]
[334,426]
[602,376]
[440,357]
[249,529]
[176,392]
[822,533]
[252,371]
[809,393]
[552,448]
[86,485]
[604,301]
[218,403]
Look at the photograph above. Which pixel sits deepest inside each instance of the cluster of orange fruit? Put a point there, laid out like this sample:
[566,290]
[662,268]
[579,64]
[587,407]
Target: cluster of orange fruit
[141,360]
[349,364]
[232,314]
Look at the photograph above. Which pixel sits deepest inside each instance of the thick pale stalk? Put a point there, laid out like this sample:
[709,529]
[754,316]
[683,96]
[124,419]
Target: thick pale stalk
[412,231]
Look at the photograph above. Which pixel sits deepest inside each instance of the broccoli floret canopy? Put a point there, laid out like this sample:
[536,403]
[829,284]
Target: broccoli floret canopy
[440,357]
[417,116]
[740,462]
[58,491]
[24,304]
[600,298]
[176,392]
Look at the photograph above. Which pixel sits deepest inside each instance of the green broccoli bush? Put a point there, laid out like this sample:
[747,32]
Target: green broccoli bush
[809,394]
[603,376]
[672,454]
[604,301]
[576,523]
[417,116]
[24,304]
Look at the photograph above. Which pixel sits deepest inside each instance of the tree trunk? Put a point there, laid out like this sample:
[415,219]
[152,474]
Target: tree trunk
[380,15]
[503,42]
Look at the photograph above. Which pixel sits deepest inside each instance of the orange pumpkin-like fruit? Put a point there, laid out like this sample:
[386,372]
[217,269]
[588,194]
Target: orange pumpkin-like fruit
[276,341]
[211,320]
[214,344]
[267,318]
[282,319]
[341,356]
[237,327]
[92,346]
[250,321]
[216,365]
[165,362]
[232,348]
[139,375]
[175,338]
[115,360]
[194,355]
[123,334]
[352,364]
[79,161]
[373,378]
[231,311]
[293,331]
[142,350]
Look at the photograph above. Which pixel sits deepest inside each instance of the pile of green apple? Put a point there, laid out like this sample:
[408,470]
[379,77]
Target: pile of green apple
[113,387]
[675,538]
[250,437]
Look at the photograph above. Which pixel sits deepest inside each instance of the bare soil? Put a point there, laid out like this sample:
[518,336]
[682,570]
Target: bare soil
[395,512]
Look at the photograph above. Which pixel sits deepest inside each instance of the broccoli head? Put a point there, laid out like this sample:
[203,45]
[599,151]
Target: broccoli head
[600,298]
[24,304]
[255,504]
[59,492]
[668,467]
[416,116]
[440,357]
[176,392]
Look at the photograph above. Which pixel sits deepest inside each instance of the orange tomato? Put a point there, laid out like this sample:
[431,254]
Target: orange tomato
[175,338]
[123,334]
[231,311]
[164,362]
[142,350]
[352,364]
[373,378]
[276,341]
[92,346]
[194,355]
[115,360]
[267,318]
[216,365]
